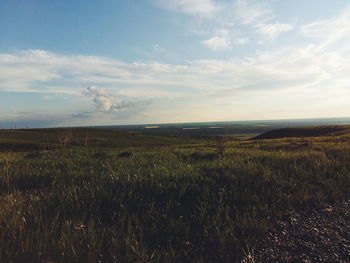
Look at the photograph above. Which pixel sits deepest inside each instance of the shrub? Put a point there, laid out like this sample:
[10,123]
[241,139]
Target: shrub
[125,154]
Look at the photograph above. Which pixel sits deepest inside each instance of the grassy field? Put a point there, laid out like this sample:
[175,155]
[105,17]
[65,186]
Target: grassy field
[94,195]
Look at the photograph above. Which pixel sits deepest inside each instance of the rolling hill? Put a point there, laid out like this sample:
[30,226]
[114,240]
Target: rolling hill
[304,132]
[57,138]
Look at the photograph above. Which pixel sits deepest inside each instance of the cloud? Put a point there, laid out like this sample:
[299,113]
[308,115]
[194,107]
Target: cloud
[201,8]
[329,31]
[272,31]
[251,12]
[34,70]
[151,93]
[121,81]
[106,102]
[220,42]
[128,88]
[55,73]
[231,16]
[326,28]
[162,53]
[245,11]
[217,43]
[102,100]
[241,41]
[258,16]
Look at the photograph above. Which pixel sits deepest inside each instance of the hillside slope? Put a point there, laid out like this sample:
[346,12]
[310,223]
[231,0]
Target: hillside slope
[304,132]
[57,138]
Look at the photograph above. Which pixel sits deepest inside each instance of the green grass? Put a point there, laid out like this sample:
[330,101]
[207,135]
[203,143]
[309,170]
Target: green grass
[172,202]
[49,139]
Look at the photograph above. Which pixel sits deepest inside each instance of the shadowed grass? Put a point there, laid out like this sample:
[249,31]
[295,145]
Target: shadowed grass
[168,204]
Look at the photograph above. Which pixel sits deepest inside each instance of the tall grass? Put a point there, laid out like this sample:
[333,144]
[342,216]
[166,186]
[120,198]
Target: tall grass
[161,205]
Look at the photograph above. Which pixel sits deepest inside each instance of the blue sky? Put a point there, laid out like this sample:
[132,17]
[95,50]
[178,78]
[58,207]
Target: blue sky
[102,62]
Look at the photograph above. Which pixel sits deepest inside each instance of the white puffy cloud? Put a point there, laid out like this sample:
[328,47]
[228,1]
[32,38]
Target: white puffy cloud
[106,102]
[100,97]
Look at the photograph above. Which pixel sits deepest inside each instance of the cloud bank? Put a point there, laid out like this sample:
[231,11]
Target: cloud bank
[314,74]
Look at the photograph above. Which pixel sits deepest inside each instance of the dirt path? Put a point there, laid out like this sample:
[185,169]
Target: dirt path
[320,235]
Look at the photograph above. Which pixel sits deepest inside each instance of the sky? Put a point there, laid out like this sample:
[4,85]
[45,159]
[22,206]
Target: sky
[113,62]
